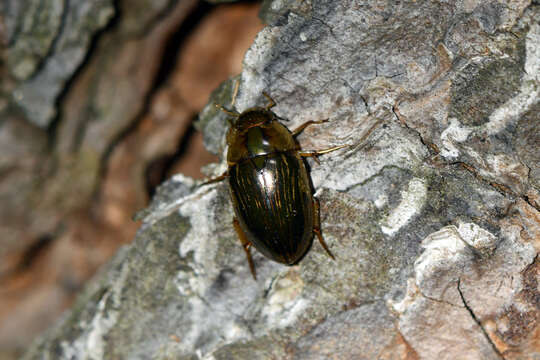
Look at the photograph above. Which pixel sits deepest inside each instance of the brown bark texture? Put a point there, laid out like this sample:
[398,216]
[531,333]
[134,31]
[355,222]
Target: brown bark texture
[97,100]
[432,211]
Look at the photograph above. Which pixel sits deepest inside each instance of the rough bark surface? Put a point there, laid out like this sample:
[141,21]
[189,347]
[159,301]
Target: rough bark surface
[60,119]
[119,84]
[432,213]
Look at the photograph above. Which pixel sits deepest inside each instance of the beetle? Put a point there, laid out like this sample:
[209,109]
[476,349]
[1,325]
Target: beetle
[269,186]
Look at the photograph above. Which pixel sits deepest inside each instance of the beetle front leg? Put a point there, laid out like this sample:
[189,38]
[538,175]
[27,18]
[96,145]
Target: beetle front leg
[217,178]
[246,244]
[317,227]
[227,111]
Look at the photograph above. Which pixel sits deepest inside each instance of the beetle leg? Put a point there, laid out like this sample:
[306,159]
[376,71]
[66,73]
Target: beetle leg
[217,178]
[317,227]
[315,153]
[235,92]
[271,103]
[233,100]
[301,128]
[246,244]
[227,111]
[316,158]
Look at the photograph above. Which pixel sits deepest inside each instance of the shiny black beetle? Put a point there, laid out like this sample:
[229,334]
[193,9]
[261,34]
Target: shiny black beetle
[269,186]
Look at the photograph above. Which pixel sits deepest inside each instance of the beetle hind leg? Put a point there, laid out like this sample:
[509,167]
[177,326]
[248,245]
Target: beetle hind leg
[246,244]
[317,228]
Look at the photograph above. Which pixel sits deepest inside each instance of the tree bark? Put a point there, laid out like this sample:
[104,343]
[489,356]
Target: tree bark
[432,212]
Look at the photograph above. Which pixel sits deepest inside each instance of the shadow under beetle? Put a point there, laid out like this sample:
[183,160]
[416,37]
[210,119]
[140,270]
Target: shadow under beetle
[269,186]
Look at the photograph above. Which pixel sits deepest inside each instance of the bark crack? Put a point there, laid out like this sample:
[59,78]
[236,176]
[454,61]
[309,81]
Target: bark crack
[477,321]
[437,300]
[328,27]
[76,74]
[431,147]
[54,43]
[501,188]
[166,67]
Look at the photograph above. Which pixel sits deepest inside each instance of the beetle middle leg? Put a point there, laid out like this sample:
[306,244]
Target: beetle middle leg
[315,153]
[301,128]
[246,244]
[317,227]
[271,102]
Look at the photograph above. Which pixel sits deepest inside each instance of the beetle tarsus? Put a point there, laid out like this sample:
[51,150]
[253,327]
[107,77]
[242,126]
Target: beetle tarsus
[246,244]
[301,128]
[321,240]
[315,153]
